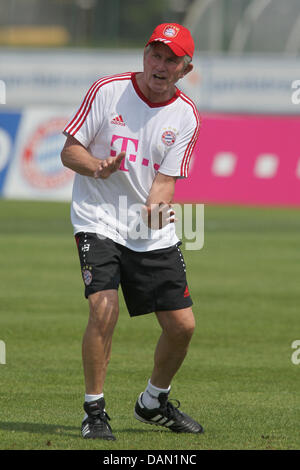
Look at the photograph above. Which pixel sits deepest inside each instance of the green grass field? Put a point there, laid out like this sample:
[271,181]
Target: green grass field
[238,379]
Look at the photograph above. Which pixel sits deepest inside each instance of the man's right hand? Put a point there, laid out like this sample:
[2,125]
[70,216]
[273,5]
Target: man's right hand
[157,216]
[108,166]
[76,157]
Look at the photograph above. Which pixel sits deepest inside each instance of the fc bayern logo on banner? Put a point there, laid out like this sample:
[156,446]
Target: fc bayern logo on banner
[40,159]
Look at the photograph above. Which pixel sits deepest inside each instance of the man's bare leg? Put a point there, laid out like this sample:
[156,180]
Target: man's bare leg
[177,330]
[96,350]
[97,339]
[152,406]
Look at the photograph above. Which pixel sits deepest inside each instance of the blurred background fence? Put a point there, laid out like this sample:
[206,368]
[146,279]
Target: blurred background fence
[269,26]
[245,83]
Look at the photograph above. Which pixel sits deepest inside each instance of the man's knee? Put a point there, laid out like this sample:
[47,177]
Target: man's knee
[184,330]
[104,309]
[178,325]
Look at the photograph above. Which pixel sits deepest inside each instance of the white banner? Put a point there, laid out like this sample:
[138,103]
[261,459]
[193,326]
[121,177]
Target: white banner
[255,84]
[36,171]
[249,85]
[60,77]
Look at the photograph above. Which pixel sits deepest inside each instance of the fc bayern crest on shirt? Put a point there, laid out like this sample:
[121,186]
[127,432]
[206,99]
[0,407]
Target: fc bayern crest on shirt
[168,138]
[171,31]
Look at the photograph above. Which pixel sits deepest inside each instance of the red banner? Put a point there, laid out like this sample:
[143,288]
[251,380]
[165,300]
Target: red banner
[245,159]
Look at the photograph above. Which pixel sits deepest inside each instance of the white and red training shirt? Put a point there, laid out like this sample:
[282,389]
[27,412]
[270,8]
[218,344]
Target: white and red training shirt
[115,116]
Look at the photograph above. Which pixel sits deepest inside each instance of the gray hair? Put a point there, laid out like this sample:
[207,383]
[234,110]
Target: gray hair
[186,59]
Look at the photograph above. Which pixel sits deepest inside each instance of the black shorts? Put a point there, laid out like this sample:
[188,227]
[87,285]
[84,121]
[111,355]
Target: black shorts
[151,281]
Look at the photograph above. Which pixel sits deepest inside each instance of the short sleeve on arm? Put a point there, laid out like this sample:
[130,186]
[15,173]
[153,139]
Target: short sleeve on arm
[178,157]
[87,120]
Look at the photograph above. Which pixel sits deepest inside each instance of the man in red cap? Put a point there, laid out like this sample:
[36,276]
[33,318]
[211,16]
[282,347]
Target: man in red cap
[130,140]
[174,47]
[177,37]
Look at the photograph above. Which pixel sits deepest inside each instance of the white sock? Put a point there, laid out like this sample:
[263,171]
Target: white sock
[150,395]
[88,398]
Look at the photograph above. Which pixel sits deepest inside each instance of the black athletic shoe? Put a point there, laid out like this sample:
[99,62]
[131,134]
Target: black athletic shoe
[166,415]
[96,425]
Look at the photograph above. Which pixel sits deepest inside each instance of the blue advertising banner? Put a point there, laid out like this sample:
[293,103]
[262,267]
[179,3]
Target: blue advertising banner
[9,123]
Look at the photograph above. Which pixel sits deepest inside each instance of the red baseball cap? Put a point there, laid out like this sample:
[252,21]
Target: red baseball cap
[176,36]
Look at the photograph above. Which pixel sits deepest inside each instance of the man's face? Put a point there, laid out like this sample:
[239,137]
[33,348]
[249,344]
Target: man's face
[162,69]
